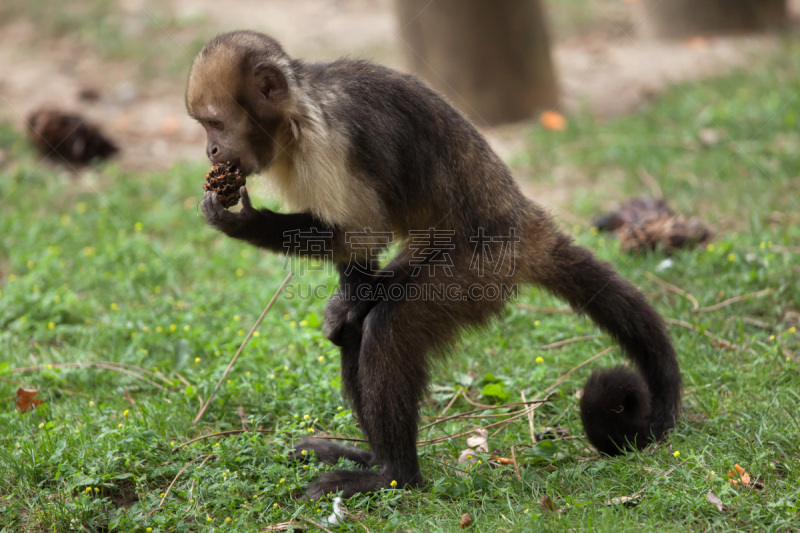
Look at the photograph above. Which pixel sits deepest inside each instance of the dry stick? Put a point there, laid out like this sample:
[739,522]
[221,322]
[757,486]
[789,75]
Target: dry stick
[116,367]
[530,418]
[239,351]
[677,290]
[708,334]
[560,380]
[651,182]
[514,460]
[221,434]
[733,300]
[467,414]
[314,524]
[450,403]
[546,310]
[559,344]
[467,432]
[205,458]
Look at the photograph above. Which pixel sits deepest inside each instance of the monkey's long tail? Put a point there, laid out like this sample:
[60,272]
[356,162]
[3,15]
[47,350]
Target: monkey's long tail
[620,409]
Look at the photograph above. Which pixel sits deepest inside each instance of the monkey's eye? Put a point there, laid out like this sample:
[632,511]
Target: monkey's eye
[214,124]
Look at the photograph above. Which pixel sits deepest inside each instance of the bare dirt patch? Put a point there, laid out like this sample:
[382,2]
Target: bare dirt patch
[608,71]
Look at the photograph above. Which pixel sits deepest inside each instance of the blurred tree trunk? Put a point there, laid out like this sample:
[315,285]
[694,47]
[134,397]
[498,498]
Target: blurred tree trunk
[491,58]
[685,18]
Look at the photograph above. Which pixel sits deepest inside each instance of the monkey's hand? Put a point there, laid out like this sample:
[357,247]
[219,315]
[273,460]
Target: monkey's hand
[233,224]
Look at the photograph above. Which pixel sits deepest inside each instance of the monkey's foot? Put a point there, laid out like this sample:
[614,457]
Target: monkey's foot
[329,452]
[350,483]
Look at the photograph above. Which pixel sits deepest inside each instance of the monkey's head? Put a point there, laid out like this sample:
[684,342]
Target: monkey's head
[239,90]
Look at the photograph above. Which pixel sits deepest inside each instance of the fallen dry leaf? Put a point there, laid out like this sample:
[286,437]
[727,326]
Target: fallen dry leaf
[548,504]
[739,476]
[26,399]
[554,121]
[625,499]
[713,498]
[466,521]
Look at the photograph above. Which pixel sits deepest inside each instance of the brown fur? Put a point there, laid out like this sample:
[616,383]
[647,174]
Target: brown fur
[355,146]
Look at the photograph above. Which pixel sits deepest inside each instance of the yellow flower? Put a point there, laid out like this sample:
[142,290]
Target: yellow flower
[81,207]
[393,483]
[286,316]
[65,220]
[51,325]
[321,358]
[256,334]
[710,248]
[536,322]
[676,454]
[293,324]
[138,226]
[12,277]
[240,272]
[540,360]
[303,323]
[792,329]
[149,529]
[186,328]
[281,480]
[173,327]
[57,298]
[91,403]
[274,505]
[196,359]
[88,489]
[119,426]
[157,289]
[88,251]
[762,245]
[285,368]
[240,332]
[236,318]
[208,519]
[162,495]
[339,408]
[304,452]
[227,519]
[126,413]
[159,329]
[310,430]
[247,373]
[114,307]
[97,489]
[731,258]
[172,443]
[41,425]
[31,264]
[306,417]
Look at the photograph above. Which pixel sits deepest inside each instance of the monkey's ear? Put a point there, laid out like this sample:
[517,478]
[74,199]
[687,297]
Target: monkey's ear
[271,81]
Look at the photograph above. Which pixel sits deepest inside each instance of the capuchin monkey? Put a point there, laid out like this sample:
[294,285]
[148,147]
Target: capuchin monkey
[361,153]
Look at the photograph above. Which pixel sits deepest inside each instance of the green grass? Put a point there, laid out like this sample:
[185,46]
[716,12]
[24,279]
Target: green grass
[111,266]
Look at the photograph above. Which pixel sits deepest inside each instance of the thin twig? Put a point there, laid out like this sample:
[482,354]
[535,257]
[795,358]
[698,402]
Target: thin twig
[546,310]
[559,344]
[205,458]
[514,460]
[323,528]
[239,351]
[733,300]
[221,434]
[140,373]
[530,418]
[560,380]
[677,290]
[651,182]
[707,333]
[468,414]
[450,403]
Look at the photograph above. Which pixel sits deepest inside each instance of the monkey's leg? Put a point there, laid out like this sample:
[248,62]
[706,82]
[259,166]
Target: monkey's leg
[392,376]
[327,451]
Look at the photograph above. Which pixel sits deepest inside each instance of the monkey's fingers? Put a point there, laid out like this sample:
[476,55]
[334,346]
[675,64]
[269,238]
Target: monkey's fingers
[246,205]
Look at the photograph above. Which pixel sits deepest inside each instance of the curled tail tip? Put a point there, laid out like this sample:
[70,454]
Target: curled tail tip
[615,411]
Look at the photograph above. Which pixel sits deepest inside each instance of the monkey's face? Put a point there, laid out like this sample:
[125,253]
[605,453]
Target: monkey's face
[241,109]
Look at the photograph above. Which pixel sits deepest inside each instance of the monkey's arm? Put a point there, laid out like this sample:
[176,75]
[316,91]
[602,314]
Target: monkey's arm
[295,233]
